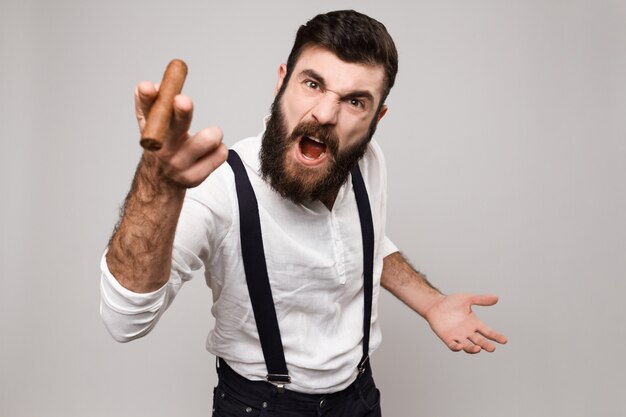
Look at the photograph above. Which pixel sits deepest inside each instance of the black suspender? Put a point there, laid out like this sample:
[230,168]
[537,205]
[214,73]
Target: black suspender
[258,281]
[256,276]
[367,235]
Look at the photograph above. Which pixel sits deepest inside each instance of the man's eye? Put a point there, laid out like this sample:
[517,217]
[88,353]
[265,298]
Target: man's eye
[312,84]
[356,103]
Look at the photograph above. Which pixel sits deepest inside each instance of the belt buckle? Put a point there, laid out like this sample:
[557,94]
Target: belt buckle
[279,380]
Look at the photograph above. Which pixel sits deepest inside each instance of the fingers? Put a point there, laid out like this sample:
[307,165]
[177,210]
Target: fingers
[477,341]
[197,146]
[207,164]
[483,329]
[481,339]
[455,346]
[482,343]
[183,113]
[491,334]
[145,94]
[185,160]
[467,345]
[197,157]
[470,347]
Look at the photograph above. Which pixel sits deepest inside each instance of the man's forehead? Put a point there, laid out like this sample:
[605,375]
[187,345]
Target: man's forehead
[338,74]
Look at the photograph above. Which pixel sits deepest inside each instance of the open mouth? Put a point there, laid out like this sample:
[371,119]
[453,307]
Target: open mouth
[312,151]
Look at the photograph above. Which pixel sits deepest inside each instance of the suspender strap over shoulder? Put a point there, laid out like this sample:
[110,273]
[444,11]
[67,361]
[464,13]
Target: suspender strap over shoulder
[257,278]
[367,236]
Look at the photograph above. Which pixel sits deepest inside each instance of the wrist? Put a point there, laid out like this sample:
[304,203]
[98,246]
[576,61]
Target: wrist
[433,299]
[152,182]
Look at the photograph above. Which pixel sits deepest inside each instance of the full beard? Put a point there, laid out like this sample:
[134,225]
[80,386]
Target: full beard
[295,181]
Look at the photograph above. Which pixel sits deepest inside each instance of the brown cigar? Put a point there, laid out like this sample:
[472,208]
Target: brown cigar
[161,112]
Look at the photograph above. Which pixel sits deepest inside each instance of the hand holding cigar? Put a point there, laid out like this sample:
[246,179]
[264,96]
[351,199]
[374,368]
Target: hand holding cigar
[160,115]
[164,119]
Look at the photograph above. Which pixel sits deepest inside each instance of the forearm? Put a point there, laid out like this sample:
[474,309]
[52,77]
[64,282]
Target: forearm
[408,285]
[140,250]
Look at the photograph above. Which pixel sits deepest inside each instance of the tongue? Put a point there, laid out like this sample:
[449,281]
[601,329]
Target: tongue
[311,149]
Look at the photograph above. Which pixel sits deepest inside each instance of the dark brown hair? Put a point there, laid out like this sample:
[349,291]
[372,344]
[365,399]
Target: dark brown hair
[353,37]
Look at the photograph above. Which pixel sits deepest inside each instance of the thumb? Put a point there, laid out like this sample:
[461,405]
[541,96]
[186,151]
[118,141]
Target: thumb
[484,300]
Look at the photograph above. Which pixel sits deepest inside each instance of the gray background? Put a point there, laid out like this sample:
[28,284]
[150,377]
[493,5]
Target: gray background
[506,146]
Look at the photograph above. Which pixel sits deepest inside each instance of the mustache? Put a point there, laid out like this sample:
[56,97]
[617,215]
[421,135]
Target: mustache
[324,133]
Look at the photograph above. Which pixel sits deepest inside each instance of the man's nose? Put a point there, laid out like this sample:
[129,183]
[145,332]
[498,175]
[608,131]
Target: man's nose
[326,110]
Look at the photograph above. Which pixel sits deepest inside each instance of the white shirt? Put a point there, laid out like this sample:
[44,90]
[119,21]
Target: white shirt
[315,265]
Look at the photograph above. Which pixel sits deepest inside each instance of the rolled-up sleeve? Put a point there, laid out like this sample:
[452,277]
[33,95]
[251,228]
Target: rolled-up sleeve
[205,219]
[128,315]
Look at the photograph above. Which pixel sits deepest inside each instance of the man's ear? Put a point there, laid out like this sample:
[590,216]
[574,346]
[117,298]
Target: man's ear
[282,71]
[383,111]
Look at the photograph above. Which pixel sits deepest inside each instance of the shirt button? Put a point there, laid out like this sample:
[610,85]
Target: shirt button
[248,409]
[264,404]
[323,403]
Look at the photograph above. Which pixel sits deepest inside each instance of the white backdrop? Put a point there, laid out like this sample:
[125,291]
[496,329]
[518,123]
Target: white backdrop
[506,145]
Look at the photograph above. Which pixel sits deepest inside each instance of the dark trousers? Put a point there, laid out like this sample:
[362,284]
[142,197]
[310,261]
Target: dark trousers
[238,396]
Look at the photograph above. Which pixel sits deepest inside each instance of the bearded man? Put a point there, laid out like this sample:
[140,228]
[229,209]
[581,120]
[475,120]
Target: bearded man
[290,233]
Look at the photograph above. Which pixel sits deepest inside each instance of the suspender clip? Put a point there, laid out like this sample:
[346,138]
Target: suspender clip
[363,365]
[279,380]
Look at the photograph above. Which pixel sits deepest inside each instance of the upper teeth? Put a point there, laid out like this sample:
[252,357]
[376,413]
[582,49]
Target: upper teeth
[315,139]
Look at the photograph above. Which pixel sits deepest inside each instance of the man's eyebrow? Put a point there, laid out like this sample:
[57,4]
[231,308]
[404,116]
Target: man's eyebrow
[364,94]
[313,74]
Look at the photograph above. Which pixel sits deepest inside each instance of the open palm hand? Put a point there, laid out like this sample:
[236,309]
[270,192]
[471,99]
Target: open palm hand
[454,322]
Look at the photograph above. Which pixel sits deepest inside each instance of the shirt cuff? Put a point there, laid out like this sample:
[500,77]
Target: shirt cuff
[123,300]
